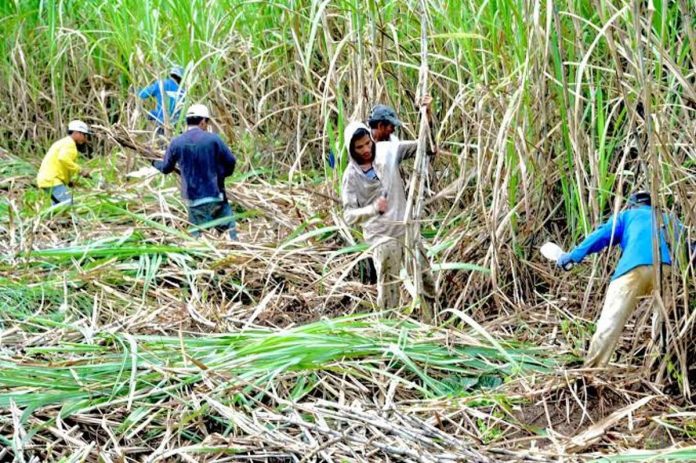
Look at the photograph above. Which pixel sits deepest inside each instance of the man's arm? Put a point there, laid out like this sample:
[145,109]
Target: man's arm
[355,215]
[149,91]
[606,235]
[68,158]
[408,149]
[352,212]
[167,165]
[226,160]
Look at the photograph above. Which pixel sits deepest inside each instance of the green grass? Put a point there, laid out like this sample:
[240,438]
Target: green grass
[81,377]
[684,454]
[537,106]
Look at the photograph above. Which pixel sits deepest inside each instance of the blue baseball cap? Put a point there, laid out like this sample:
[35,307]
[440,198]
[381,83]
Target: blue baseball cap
[384,113]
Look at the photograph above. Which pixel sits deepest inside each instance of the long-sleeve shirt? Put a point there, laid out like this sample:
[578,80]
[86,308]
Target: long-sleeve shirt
[633,230]
[159,90]
[59,165]
[360,191]
[204,160]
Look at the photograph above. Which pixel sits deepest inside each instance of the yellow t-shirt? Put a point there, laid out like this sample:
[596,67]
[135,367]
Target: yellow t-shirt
[59,165]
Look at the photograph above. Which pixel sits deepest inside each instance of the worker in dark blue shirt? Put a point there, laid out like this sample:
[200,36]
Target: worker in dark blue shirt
[205,161]
[168,95]
[633,229]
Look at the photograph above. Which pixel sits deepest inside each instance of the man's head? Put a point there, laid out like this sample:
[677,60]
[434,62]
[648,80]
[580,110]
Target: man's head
[198,115]
[359,142]
[176,73]
[79,132]
[383,122]
[639,198]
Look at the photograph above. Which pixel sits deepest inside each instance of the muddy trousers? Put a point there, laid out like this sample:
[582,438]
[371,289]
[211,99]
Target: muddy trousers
[388,256]
[622,297]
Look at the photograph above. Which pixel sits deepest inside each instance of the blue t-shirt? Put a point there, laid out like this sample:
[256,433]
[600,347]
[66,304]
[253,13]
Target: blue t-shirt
[633,230]
[204,160]
[371,173]
[174,95]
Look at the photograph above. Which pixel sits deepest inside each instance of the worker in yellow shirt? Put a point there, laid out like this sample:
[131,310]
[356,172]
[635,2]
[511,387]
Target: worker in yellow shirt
[59,166]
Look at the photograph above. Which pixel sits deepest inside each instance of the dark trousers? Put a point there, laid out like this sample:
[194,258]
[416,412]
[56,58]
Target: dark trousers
[368,273]
[202,214]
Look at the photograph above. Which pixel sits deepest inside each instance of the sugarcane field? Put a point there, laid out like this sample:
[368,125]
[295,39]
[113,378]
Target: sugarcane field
[347,231]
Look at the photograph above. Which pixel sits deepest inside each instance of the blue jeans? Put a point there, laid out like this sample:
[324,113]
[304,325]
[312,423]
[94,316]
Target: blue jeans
[204,213]
[59,194]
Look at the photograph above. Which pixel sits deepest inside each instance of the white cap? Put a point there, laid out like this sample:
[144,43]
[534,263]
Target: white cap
[177,71]
[78,126]
[198,110]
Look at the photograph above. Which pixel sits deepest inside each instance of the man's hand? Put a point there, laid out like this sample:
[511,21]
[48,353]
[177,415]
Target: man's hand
[381,205]
[427,102]
[565,261]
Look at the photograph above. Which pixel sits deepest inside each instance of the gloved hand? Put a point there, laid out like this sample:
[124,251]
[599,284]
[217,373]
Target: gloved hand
[565,261]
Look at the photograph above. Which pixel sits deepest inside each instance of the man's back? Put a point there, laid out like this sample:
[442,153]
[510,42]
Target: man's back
[204,160]
[58,166]
[632,229]
[166,92]
[637,228]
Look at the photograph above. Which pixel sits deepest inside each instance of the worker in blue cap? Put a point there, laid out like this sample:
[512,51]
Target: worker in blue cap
[168,94]
[633,230]
[383,122]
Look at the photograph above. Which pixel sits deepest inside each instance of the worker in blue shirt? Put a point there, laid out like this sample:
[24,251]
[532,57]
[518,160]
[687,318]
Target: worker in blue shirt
[168,94]
[205,161]
[633,230]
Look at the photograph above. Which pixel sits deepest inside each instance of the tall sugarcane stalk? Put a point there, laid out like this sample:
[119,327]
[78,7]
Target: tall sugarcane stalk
[414,203]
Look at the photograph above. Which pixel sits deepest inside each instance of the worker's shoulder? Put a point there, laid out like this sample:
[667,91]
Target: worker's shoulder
[197,137]
[636,215]
[184,139]
[63,143]
[386,149]
[349,173]
[179,139]
[643,211]
[169,84]
[212,138]
[67,141]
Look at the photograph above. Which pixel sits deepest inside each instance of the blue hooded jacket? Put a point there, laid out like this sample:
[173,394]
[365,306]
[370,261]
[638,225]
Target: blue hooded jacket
[173,93]
[204,160]
[633,230]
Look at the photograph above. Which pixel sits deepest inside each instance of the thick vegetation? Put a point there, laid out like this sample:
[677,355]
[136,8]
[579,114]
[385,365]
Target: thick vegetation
[124,339]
